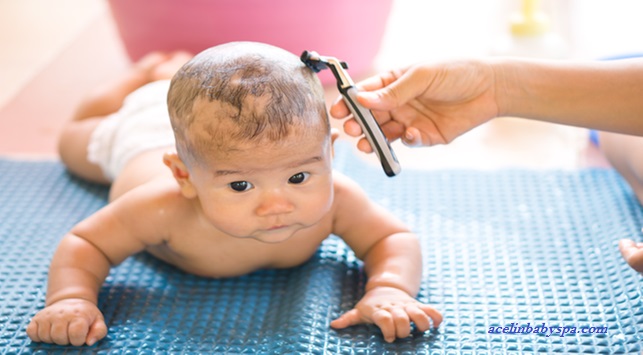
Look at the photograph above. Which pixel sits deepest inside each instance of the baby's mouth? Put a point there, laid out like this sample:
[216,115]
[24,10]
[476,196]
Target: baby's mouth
[277,227]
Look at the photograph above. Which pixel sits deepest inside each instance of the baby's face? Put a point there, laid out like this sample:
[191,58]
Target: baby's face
[267,191]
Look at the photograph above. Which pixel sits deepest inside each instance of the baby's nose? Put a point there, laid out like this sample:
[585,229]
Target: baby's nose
[274,202]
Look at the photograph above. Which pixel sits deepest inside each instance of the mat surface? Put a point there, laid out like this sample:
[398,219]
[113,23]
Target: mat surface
[521,247]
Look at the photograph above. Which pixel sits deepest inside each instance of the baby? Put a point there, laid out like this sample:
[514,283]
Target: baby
[237,179]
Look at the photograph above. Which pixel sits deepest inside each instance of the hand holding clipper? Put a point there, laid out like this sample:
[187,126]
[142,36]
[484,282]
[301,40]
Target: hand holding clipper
[362,115]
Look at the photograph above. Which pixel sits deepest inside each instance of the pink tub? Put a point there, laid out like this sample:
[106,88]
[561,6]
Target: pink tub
[350,30]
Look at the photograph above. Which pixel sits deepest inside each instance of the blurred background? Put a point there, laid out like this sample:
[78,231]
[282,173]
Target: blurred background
[54,51]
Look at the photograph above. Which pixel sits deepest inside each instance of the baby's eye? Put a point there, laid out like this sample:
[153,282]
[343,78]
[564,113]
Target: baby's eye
[240,186]
[298,178]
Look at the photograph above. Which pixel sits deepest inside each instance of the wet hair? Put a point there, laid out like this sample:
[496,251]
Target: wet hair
[242,91]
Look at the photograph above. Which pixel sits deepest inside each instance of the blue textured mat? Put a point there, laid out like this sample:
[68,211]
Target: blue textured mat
[500,247]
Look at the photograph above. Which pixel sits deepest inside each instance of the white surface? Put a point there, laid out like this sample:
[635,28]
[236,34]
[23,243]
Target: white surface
[33,32]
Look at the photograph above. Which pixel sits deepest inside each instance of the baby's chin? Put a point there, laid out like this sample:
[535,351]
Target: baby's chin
[274,236]
[269,240]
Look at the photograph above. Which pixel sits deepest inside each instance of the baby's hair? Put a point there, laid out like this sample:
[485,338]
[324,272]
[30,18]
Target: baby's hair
[261,93]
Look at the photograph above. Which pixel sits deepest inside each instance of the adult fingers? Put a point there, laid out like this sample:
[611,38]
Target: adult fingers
[392,130]
[632,253]
[627,247]
[339,109]
[393,94]
[364,146]
[352,128]
[413,137]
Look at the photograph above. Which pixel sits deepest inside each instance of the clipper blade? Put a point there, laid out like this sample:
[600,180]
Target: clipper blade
[313,61]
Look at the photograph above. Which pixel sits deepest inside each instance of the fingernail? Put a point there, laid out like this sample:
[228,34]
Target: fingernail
[91,341]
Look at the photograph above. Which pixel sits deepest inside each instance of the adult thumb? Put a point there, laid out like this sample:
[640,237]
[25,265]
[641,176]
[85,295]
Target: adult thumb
[392,96]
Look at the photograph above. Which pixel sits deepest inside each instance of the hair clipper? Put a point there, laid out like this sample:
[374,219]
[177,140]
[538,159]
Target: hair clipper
[362,115]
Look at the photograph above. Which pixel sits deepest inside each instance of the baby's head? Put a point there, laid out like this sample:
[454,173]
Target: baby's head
[253,141]
[243,92]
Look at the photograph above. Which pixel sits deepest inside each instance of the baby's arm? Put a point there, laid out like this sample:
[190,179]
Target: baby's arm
[71,316]
[393,267]
[80,265]
[392,262]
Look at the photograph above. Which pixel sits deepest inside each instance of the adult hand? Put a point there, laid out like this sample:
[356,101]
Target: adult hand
[426,104]
[632,252]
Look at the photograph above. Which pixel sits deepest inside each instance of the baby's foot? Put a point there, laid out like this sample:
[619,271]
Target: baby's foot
[150,61]
[173,62]
[632,253]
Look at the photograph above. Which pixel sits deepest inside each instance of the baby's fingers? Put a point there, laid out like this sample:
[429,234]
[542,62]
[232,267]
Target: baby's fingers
[402,322]
[422,320]
[78,330]
[347,319]
[435,316]
[97,331]
[384,320]
[38,331]
[32,331]
[44,331]
[60,333]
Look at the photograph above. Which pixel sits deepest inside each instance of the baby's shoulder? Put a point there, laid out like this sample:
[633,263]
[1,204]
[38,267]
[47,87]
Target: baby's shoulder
[146,213]
[159,197]
[347,191]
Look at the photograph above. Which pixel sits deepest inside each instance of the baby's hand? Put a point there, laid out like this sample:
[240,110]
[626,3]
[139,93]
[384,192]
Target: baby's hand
[68,321]
[632,253]
[392,310]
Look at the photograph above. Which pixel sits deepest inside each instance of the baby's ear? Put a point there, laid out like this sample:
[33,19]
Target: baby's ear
[334,134]
[181,174]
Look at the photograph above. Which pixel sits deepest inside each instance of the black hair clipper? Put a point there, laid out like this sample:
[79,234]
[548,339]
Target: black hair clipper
[363,116]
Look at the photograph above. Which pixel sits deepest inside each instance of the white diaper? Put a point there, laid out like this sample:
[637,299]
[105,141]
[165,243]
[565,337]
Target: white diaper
[143,123]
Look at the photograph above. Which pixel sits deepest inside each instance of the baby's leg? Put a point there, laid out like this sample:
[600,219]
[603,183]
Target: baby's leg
[625,153]
[73,142]
[72,148]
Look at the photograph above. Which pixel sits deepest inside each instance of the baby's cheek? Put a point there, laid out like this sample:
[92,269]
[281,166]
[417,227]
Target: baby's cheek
[228,218]
[319,204]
